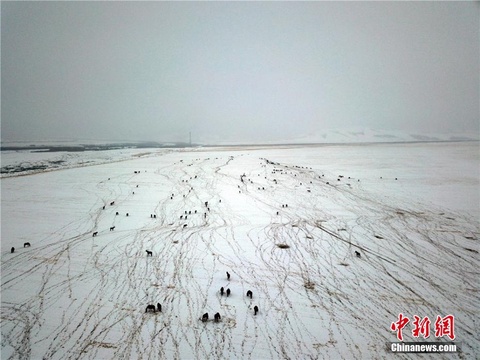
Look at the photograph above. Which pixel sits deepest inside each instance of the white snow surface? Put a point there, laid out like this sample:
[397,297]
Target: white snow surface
[411,210]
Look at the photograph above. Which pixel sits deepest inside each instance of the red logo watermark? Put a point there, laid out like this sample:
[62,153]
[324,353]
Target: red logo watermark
[443,326]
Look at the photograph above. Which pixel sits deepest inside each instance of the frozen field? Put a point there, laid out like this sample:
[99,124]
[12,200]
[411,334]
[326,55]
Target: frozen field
[411,211]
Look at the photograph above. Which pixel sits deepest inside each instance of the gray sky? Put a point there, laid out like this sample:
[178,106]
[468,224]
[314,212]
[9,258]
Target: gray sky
[245,71]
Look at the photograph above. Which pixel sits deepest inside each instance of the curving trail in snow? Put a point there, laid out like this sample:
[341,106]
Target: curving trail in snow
[75,296]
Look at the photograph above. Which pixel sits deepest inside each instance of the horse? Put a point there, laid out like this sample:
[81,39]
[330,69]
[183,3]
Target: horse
[26,244]
[127,214]
[221,291]
[12,250]
[357,254]
[149,253]
[113,202]
[116,213]
[228,275]
[150,308]
[205,317]
[181,217]
[184,225]
[217,317]
[95,234]
[112,228]
[228,292]
[249,293]
[255,308]
[159,307]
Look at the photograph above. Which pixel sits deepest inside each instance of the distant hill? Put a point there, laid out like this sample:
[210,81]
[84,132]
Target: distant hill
[328,136]
[366,135]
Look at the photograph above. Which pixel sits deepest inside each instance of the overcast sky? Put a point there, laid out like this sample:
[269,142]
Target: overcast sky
[245,71]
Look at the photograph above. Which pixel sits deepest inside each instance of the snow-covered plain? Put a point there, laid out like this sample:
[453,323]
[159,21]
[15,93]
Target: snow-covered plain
[411,210]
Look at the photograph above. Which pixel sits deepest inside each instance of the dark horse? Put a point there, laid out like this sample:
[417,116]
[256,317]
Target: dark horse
[228,292]
[159,307]
[217,317]
[357,254]
[12,250]
[26,244]
[150,308]
[205,317]
[221,291]
[255,308]
[249,293]
[149,253]
[95,233]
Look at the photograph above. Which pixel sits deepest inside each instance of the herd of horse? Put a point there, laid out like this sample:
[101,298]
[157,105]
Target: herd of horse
[217,317]
[158,308]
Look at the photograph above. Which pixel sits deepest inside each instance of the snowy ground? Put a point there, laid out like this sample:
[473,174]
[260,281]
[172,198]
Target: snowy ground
[411,210]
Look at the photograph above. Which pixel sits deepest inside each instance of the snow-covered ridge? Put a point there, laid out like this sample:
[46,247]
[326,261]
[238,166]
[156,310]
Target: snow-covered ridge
[366,135]
[25,162]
